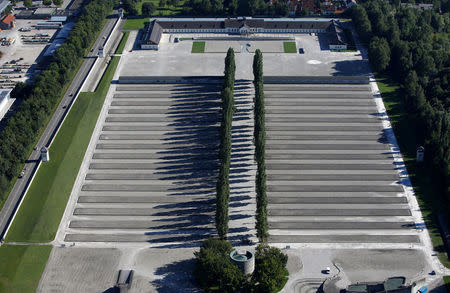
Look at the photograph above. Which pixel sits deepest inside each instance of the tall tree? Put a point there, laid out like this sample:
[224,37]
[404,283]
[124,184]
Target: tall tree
[379,54]
[222,186]
[148,8]
[28,3]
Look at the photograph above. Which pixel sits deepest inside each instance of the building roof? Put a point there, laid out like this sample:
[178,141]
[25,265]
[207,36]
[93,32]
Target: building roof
[24,14]
[44,11]
[8,19]
[190,24]
[59,18]
[241,22]
[154,29]
[153,33]
[336,34]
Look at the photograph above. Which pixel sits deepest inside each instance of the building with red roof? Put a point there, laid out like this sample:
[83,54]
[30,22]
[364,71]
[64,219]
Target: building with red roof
[7,22]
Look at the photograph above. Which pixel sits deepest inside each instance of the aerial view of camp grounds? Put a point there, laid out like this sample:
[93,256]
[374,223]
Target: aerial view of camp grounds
[249,146]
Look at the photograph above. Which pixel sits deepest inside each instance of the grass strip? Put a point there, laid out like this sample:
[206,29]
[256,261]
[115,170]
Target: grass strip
[39,215]
[122,43]
[290,47]
[49,117]
[198,47]
[186,39]
[135,23]
[22,267]
[426,190]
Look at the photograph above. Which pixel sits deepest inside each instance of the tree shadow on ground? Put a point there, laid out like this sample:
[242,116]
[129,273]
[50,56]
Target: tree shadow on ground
[176,277]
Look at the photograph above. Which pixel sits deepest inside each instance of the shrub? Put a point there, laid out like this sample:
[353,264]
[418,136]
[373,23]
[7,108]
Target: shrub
[214,269]
[270,269]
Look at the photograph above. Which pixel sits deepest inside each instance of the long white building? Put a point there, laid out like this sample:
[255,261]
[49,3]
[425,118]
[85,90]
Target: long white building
[242,26]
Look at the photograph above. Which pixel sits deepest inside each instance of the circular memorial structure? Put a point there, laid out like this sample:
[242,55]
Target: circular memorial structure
[244,259]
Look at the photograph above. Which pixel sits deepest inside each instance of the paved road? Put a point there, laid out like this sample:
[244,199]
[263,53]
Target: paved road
[33,161]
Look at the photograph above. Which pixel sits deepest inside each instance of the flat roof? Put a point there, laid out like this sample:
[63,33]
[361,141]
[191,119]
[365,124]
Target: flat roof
[247,18]
[44,10]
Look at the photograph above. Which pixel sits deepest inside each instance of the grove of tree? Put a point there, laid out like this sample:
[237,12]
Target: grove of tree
[412,47]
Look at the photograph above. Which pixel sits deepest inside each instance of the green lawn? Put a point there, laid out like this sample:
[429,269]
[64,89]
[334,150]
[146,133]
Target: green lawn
[22,267]
[135,23]
[198,47]
[123,41]
[447,282]
[39,215]
[290,47]
[426,190]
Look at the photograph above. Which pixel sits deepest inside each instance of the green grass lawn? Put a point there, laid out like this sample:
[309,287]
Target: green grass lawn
[39,215]
[22,267]
[290,47]
[135,23]
[447,282]
[426,190]
[198,47]
[122,43]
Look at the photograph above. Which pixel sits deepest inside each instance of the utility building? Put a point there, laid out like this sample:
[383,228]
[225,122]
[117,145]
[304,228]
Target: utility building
[45,157]
[7,22]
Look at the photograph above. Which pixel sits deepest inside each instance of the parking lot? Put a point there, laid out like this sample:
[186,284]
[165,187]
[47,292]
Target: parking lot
[18,58]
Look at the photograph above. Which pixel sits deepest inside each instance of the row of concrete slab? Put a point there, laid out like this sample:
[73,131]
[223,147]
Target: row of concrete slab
[153,173]
[331,175]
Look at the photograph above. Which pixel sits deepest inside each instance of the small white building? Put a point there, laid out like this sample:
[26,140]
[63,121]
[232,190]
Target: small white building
[45,157]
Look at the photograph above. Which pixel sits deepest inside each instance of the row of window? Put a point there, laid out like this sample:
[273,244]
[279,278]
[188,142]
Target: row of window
[237,30]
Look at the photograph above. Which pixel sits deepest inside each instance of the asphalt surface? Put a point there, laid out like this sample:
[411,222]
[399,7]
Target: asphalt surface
[47,136]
